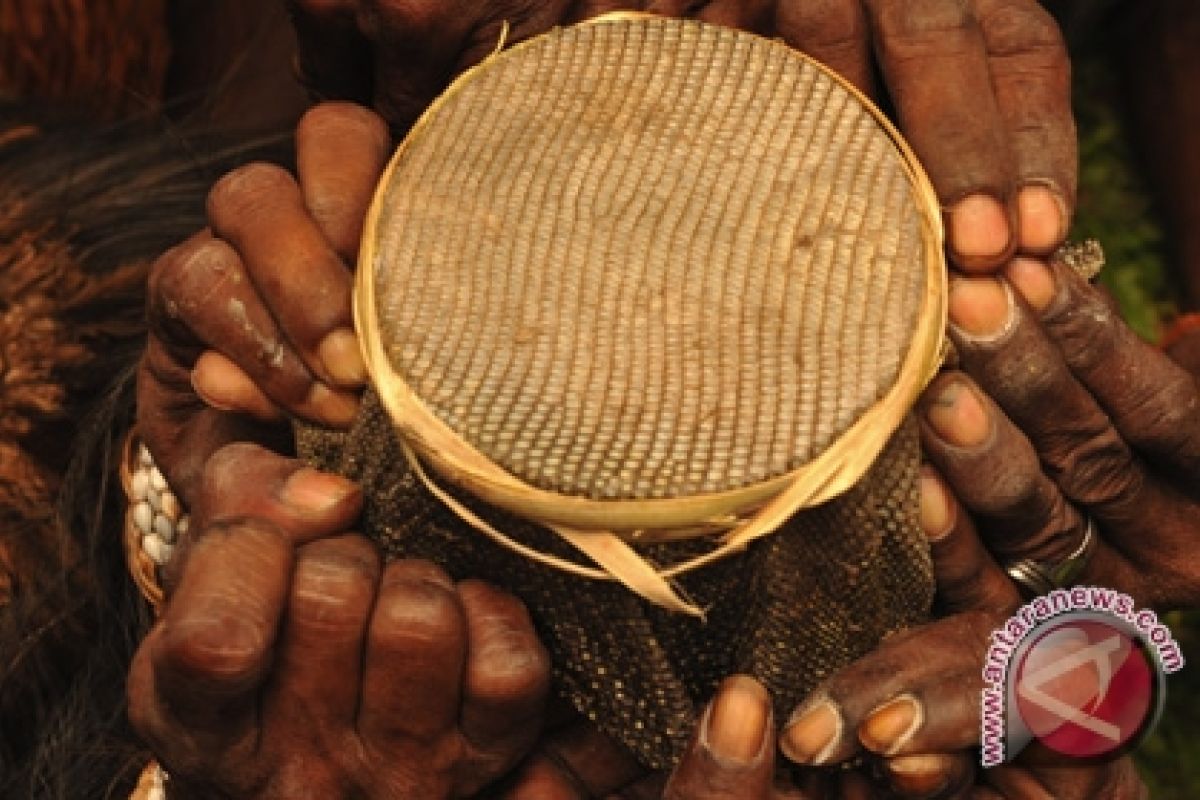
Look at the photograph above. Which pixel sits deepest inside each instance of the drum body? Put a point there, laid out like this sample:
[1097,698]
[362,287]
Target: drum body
[643,301]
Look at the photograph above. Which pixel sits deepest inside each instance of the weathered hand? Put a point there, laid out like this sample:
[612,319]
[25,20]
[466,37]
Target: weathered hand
[980,87]
[913,704]
[1068,415]
[291,663]
[250,319]
[731,757]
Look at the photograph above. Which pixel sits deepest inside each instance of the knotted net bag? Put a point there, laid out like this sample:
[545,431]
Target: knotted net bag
[643,300]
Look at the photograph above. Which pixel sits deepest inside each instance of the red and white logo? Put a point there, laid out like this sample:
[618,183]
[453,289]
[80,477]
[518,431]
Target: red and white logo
[1086,687]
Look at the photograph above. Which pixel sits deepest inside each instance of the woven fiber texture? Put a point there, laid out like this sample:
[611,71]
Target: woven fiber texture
[641,260]
[649,260]
[795,606]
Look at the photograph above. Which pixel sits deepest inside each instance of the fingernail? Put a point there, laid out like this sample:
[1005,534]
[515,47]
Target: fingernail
[209,391]
[957,415]
[1033,279]
[981,308]
[811,737]
[979,227]
[312,492]
[1042,214]
[737,721]
[889,727]
[336,409]
[919,775]
[935,512]
[342,357]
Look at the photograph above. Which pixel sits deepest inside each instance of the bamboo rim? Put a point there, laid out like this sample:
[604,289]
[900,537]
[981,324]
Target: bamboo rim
[603,529]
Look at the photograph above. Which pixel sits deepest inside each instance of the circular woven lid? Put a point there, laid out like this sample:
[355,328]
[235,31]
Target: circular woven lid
[649,273]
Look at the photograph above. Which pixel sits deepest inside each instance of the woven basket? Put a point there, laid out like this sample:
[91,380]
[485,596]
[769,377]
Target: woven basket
[634,295]
[647,279]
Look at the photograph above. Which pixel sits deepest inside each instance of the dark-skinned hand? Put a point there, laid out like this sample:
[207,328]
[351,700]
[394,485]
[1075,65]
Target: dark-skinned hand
[250,319]
[981,88]
[291,663]
[1063,413]
[731,756]
[912,706]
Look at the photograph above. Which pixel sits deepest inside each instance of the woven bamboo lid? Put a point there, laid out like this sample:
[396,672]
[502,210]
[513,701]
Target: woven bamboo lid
[646,274]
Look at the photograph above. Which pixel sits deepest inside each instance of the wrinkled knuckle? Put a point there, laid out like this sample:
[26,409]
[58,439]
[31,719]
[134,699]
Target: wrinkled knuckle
[1169,422]
[185,277]
[331,591]
[245,192]
[419,569]
[923,20]
[208,654]
[1018,490]
[1099,469]
[515,671]
[415,614]
[1022,28]
[827,26]
[227,468]
[1030,373]
[1085,329]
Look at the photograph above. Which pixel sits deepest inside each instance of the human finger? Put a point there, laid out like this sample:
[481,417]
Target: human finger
[200,297]
[994,472]
[417,637]
[732,755]
[834,32]
[246,480]
[1116,779]
[1002,346]
[1031,78]
[180,429]
[341,150]
[1150,399]
[954,123]
[225,386]
[917,693]
[1080,448]
[506,681]
[201,666]
[967,577]
[259,209]
[318,659]
[940,775]
[576,762]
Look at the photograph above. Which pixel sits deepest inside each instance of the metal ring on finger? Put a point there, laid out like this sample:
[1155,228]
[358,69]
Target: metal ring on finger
[1085,259]
[1042,577]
